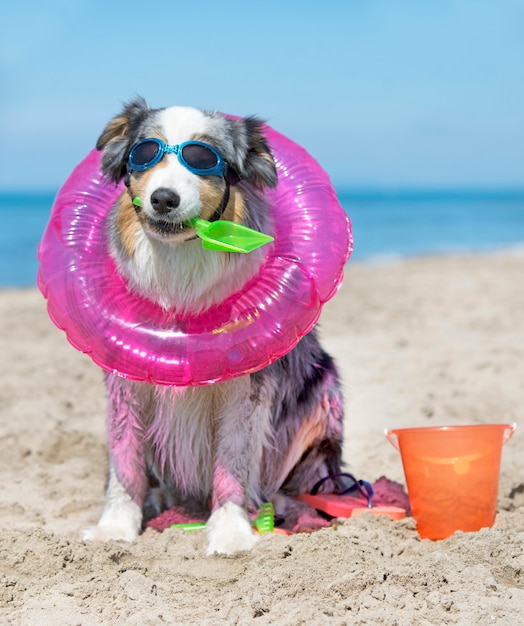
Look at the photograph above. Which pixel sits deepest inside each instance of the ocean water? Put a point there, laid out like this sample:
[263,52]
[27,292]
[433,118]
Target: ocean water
[414,223]
[385,226]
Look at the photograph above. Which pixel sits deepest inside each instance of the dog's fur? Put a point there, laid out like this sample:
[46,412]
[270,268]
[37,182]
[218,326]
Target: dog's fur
[231,445]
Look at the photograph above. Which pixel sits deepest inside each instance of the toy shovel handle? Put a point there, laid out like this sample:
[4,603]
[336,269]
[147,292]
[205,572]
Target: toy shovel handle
[201,226]
[508,432]
[392,438]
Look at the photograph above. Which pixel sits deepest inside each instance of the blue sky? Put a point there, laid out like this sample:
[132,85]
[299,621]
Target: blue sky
[384,93]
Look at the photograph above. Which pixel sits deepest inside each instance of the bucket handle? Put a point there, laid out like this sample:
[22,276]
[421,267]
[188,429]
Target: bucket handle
[393,439]
[508,432]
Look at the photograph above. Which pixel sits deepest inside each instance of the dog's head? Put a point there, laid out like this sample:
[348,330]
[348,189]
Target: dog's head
[188,171]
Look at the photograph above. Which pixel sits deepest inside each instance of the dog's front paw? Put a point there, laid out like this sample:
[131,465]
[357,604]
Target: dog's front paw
[121,520]
[106,533]
[229,530]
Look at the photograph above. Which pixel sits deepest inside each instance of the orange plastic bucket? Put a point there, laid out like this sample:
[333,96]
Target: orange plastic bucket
[452,475]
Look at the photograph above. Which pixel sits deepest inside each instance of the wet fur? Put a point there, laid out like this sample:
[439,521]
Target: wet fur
[225,447]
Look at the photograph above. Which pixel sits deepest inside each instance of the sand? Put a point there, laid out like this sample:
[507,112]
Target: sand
[427,341]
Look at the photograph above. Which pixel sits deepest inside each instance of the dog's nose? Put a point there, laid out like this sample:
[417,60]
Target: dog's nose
[164,199]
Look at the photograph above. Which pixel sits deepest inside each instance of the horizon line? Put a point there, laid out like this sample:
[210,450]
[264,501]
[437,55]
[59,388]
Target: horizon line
[376,191]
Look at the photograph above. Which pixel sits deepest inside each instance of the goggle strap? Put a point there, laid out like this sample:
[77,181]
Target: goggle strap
[223,204]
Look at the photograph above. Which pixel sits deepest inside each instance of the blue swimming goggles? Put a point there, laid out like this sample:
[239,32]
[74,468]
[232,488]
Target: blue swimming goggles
[198,157]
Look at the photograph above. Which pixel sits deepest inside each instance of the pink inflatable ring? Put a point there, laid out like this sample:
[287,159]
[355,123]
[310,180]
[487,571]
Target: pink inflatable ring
[135,338]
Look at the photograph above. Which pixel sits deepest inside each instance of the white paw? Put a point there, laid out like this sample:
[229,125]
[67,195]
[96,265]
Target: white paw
[121,519]
[229,530]
[106,533]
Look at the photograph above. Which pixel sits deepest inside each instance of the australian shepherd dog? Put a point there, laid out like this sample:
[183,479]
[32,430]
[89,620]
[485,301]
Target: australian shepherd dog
[225,448]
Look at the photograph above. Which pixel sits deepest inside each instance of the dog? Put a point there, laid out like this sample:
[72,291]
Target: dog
[227,447]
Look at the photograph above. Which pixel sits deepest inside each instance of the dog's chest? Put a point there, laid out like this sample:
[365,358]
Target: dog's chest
[180,437]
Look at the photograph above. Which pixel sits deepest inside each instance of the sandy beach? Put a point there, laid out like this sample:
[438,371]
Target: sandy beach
[419,342]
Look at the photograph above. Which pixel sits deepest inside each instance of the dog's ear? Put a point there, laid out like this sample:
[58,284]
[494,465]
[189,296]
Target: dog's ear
[115,140]
[253,159]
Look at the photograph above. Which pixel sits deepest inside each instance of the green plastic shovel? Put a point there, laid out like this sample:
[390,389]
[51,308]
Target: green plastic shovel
[228,236]
[264,522]
[224,235]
